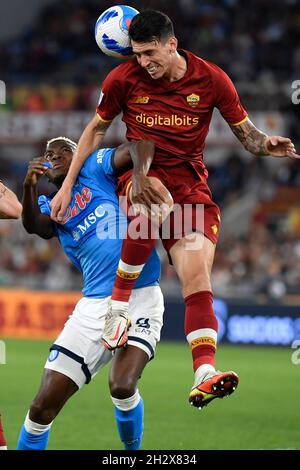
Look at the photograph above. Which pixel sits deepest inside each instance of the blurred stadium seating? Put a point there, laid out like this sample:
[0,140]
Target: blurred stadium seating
[53,72]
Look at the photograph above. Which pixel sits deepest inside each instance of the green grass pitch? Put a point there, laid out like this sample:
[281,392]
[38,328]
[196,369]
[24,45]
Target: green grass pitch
[262,414]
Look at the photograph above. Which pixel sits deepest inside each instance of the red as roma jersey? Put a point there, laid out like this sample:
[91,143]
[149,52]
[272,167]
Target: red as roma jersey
[176,115]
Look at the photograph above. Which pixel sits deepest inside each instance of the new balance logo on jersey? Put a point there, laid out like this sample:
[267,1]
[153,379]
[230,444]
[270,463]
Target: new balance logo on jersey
[90,220]
[80,202]
[142,100]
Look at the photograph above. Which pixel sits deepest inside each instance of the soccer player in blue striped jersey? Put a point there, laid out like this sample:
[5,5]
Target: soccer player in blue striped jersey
[91,235]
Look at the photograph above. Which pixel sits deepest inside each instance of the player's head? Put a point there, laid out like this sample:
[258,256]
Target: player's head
[59,152]
[153,42]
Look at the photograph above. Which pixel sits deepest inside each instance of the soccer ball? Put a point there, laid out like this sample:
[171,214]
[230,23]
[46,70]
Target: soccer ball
[111,31]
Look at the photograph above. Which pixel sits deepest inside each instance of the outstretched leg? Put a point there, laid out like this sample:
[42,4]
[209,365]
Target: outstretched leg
[192,257]
[55,390]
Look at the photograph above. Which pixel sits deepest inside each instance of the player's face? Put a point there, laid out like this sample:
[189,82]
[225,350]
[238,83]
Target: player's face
[155,57]
[60,154]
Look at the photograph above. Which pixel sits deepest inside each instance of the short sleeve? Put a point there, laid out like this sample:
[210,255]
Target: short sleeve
[226,97]
[108,163]
[111,97]
[101,162]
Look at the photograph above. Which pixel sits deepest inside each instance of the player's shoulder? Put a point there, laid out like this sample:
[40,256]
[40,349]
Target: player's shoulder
[101,159]
[100,154]
[213,68]
[197,62]
[203,65]
[123,72]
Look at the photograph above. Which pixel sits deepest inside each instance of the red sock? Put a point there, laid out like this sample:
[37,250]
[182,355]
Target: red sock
[201,327]
[135,253]
[2,438]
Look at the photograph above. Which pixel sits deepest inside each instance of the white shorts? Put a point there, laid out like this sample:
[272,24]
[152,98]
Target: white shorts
[78,352]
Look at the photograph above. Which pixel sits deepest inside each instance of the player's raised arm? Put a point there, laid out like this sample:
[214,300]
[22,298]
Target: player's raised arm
[10,207]
[254,140]
[33,220]
[112,96]
[258,143]
[90,140]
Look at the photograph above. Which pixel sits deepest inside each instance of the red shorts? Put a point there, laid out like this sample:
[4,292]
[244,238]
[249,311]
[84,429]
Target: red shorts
[192,201]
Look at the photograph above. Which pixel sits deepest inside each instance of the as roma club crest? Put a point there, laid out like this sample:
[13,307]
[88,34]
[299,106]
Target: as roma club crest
[193,100]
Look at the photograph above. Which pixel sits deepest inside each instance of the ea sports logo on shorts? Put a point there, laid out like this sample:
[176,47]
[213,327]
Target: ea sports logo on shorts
[2,352]
[143,323]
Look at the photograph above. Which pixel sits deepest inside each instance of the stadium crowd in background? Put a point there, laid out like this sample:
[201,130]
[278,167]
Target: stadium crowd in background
[236,273]
[56,65]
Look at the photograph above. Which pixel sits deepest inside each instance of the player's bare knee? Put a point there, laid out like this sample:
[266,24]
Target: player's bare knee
[122,387]
[41,413]
[195,283]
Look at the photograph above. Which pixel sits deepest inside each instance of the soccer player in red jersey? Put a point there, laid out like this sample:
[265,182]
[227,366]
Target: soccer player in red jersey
[168,95]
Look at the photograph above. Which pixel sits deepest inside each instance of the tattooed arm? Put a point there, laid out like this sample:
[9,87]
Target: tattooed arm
[258,143]
[10,207]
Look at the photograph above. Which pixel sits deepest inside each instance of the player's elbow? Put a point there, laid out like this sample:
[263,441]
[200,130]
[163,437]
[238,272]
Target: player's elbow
[98,125]
[28,227]
[28,222]
[11,211]
[92,127]
[94,123]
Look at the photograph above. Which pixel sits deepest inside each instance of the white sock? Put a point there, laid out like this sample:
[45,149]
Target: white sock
[3,447]
[130,269]
[35,428]
[127,403]
[201,372]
